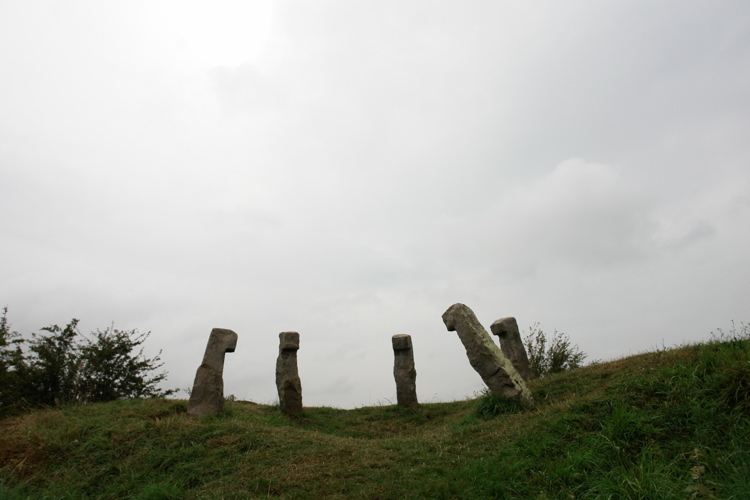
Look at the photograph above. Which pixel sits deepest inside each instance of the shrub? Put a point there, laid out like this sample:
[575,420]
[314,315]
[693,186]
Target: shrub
[558,356]
[12,366]
[59,367]
[109,368]
[52,368]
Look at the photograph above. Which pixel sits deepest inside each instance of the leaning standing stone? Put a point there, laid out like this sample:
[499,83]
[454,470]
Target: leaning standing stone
[484,355]
[512,346]
[287,376]
[404,371]
[207,397]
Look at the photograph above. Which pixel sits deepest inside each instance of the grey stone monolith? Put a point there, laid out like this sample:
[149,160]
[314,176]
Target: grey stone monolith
[404,371]
[287,376]
[207,397]
[512,345]
[484,355]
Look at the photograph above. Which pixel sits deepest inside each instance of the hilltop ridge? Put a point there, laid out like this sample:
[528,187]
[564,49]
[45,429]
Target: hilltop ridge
[664,424]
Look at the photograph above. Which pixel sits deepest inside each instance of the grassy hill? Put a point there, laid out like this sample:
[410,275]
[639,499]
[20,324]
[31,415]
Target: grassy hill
[666,424]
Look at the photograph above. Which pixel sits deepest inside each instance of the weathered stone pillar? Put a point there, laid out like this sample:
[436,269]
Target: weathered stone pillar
[484,355]
[287,376]
[512,346]
[404,371]
[207,397]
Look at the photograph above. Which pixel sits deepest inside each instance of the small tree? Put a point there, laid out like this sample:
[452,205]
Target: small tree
[60,368]
[12,366]
[111,370]
[559,356]
[53,367]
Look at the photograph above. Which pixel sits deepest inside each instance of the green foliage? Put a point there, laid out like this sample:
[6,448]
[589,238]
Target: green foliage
[7,336]
[59,367]
[52,375]
[110,368]
[558,356]
[12,365]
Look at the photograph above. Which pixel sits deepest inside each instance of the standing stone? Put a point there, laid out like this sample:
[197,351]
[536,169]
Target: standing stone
[512,346]
[485,357]
[207,397]
[404,371]
[287,376]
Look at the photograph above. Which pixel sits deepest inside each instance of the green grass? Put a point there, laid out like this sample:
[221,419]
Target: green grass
[666,424]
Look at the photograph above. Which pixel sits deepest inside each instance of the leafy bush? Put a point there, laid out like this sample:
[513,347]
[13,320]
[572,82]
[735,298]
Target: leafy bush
[558,356]
[110,371]
[12,366]
[52,368]
[59,367]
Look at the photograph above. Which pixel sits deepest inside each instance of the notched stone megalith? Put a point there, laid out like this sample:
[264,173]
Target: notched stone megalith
[287,377]
[484,355]
[404,371]
[207,397]
[512,345]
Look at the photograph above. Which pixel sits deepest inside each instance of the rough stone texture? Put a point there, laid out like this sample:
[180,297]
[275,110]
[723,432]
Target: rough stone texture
[484,355]
[207,397]
[404,371]
[512,345]
[287,376]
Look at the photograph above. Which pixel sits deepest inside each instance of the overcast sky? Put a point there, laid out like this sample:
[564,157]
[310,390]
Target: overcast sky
[349,170]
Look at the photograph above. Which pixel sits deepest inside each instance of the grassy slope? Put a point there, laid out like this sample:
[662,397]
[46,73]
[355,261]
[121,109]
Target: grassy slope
[667,424]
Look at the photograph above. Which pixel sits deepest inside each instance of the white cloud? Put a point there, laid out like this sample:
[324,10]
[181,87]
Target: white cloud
[244,88]
[585,214]
[581,214]
[350,170]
